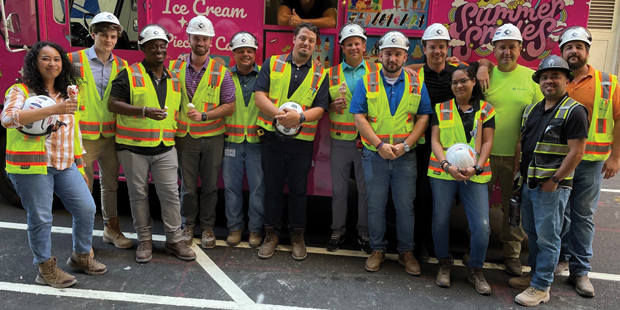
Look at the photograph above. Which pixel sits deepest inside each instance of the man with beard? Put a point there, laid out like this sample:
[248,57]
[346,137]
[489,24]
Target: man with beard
[146,98]
[289,78]
[391,113]
[321,13]
[598,91]
[209,88]
[552,142]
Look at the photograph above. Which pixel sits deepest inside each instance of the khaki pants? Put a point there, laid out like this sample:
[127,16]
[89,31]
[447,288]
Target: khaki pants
[103,151]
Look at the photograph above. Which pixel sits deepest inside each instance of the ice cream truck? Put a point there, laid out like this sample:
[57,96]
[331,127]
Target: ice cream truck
[471,24]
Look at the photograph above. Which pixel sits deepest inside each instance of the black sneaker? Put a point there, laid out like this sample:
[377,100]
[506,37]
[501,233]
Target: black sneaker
[364,242]
[334,243]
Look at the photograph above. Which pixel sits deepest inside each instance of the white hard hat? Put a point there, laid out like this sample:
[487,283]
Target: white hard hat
[106,17]
[461,155]
[243,39]
[575,33]
[436,31]
[351,30]
[153,32]
[394,38]
[285,133]
[507,32]
[44,126]
[200,25]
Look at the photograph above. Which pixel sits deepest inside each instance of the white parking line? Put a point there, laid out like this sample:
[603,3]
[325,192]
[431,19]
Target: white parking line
[610,190]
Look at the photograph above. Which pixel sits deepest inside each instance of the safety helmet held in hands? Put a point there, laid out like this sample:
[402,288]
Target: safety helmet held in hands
[105,17]
[436,31]
[351,30]
[41,127]
[243,39]
[286,133]
[553,62]
[200,25]
[153,32]
[575,33]
[461,155]
[507,32]
[395,39]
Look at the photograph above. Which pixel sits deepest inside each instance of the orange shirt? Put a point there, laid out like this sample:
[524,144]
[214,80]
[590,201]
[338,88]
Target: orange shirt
[584,92]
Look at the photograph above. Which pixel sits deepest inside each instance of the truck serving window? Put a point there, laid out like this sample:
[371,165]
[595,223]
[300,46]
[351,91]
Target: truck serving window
[83,11]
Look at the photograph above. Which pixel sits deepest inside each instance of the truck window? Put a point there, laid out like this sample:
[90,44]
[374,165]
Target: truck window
[22,22]
[83,11]
[271,10]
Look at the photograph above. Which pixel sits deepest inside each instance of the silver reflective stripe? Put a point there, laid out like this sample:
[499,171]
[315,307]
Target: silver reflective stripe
[606,85]
[558,149]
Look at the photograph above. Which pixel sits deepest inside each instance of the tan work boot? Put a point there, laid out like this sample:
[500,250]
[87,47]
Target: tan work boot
[180,250]
[298,244]
[144,252]
[234,237]
[560,268]
[50,274]
[87,264]
[373,263]
[532,297]
[582,285]
[411,265]
[92,253]
[188,235]
[476,277]
[255,240]
[208,239]
[522,282]
[443,274]
[270,243]
[112,234]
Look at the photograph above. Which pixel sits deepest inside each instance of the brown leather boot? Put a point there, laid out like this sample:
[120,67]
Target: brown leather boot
[476,277]
[144,252]
[443,275]
[270,243]
[298,244]
[112,234]
[234,237]
[180,250]
[373,263]
[411,265]
[255,240]
[87,264]
[188,235]
[208,239]
[50,274]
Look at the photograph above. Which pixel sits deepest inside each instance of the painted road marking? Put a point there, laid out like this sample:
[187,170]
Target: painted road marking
[610,190]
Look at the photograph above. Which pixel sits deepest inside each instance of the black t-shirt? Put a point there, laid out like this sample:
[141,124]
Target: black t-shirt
[121,90]
[467,118]
[317,10]
[576,127]
[298,74]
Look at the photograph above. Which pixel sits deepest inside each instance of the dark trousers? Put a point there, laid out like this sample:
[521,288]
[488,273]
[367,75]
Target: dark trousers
[423,204]
[282,167]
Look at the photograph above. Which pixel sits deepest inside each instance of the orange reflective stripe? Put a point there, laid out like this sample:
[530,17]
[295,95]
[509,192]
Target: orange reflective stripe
[334,79]
[89,127]
[253,131]
[372,81]
[343,127]
[26,158]
[205,128]
[279,64]
[235,130]
[137,76]
[316,77]
[108,127]
[214,74]
[308,130]
[598,148]
[372,119]
[264,117]
[446,111]
[137,134]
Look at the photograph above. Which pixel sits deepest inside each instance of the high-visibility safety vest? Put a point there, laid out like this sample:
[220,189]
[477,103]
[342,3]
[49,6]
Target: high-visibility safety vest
[342,122]
[95,118]
[451,131]
[279,82]
[550,151]
[241,126]
[27,155]
[146,132]
[600,134]
[206,98]
[391,129]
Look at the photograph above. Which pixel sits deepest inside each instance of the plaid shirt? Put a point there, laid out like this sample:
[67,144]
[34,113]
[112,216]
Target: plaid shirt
[193,77]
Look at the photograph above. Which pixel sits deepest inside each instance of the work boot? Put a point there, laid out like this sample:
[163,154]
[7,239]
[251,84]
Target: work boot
[411,265]
[87,264]
[270,243]
[255,240]
[522,282]
[188,235]
[234,237]
[582,285]
[297,243]
[513,266]
[476,277]
[443,275]
[208,239]
[144,252]
[373,263]
[92,253]
[560,268]
[180,250]
[113,234]
[50,274]
[532,297]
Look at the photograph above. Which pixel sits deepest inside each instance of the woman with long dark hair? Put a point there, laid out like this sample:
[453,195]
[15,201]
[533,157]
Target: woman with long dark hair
[469,121]
[49,163]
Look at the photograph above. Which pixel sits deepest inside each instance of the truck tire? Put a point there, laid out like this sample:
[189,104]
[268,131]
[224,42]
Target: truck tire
[6,187]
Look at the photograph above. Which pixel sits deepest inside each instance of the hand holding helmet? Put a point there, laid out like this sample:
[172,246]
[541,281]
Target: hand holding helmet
[46,125]
[462,159]
[287,125]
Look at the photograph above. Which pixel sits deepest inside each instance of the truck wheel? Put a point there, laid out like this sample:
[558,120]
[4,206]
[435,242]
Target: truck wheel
[6,187]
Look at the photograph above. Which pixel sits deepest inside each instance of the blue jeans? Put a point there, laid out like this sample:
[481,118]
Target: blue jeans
[475,197]
[542,215]
[37,194]
[578,230]
[381,174]
[236,157]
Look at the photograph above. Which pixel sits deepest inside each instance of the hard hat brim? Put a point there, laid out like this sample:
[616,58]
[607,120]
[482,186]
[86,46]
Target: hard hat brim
[569,74]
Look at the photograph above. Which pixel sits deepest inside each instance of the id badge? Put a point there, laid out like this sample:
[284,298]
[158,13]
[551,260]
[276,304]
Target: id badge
[230,152]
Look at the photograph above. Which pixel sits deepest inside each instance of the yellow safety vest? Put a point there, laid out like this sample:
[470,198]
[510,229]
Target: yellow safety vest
[27,155]
[279,82]
[600,135]
[95,118]
[146,132]
[206,98]
[342,122]
[391,129]
[550,151]
[451,131]
[241,126]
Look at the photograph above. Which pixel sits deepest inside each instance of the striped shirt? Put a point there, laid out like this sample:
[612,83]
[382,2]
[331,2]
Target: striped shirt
[193,77]
[59,145]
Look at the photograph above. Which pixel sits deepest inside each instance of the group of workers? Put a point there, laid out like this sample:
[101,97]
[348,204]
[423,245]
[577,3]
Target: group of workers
[390,125]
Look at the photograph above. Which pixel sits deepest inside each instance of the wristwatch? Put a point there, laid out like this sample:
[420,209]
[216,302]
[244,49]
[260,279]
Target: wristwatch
[479,170]
[554,179]
[406,147]
[204,116]
[302,118]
